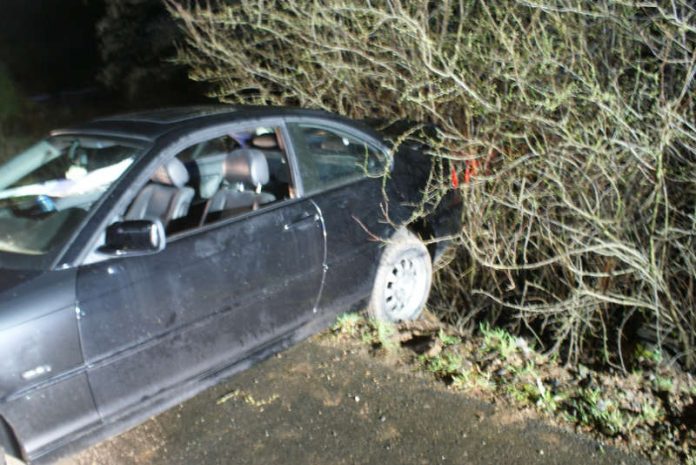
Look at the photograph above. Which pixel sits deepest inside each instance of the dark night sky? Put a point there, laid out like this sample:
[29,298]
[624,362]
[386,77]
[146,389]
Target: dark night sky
[49,45]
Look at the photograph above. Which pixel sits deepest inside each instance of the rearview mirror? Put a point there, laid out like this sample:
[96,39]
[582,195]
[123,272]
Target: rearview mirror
[134,237]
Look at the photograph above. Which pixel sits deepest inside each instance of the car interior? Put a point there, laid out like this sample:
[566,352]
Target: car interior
[328,157]
[48,189]
[216,179]
[167,196]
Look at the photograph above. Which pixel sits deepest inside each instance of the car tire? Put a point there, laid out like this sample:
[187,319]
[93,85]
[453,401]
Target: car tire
[403,279]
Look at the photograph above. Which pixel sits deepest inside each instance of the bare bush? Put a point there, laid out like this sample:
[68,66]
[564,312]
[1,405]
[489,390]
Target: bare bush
[580,218]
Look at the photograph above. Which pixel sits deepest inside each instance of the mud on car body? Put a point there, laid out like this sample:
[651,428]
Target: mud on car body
[144,257]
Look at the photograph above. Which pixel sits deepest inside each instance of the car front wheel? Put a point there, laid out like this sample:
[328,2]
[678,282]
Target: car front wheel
[403,279]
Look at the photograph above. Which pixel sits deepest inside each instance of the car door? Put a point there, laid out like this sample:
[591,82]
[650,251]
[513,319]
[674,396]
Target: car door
[341,170]
[44,391]
[214,295]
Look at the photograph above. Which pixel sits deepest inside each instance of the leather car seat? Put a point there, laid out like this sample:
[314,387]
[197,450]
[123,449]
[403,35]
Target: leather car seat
[277,165]
[246,172]
[166,196]
[266,142]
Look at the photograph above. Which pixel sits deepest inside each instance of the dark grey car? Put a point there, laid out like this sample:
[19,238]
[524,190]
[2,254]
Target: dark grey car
[144,257]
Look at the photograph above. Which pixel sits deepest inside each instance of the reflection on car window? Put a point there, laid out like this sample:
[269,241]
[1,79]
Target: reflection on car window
[48,189]
[328,157]
[210,147]
[219,178]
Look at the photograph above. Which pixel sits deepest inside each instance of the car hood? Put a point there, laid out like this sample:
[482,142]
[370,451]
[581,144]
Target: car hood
[25,295]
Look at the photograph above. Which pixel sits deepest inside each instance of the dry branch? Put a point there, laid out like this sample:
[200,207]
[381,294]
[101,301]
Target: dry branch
[582,225]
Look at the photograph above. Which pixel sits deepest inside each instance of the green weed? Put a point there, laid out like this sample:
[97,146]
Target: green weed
[444,365]
[643,353]
[531,391]
[448,340]
[347,323]
[471,378]
[498,340]
[663,384]
[651,413]
[595,411]
[464,379]
[384,332]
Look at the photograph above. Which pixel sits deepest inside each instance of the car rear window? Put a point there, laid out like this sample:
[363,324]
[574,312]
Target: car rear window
[330,157]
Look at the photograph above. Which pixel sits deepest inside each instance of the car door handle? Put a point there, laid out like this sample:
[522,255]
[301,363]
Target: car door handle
[301,220]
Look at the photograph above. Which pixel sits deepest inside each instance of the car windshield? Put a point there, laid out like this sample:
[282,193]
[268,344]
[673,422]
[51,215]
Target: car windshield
[47,190]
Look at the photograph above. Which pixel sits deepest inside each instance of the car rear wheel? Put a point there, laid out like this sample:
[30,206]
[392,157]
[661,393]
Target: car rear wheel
[403,279]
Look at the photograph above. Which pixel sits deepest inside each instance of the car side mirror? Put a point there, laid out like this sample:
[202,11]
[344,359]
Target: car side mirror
[134,237]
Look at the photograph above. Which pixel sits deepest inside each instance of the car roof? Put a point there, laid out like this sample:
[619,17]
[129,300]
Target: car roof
[153,124]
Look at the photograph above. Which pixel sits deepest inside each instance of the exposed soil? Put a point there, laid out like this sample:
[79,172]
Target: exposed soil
[329,400]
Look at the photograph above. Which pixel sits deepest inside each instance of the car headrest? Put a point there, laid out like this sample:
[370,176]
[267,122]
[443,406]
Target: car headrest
[333,144]
[172,173]
[246,165]
[265,141]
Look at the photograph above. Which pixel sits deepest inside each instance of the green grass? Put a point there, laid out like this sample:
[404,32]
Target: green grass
[651,413]
[528,389]
[488,367]
[647,354]
[348,323]
[498,340]
[385,334]
[443,365]
[472,378]
[448,340]
[663,384]
[595,411]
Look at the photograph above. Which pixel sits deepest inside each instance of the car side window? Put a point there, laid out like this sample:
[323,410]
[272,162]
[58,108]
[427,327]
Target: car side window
[329,157]
[216,179]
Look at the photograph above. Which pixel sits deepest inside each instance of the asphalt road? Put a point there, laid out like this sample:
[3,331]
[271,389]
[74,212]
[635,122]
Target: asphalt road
[321,403]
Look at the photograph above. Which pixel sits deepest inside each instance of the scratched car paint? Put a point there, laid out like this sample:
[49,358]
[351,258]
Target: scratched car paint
[144,257]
